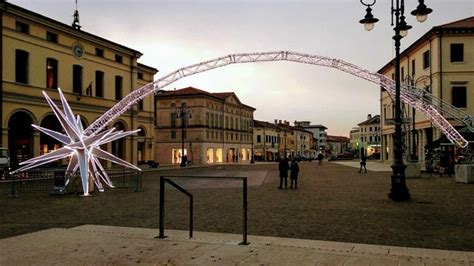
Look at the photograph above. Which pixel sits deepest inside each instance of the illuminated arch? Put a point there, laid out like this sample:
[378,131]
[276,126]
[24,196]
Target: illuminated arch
[430,106]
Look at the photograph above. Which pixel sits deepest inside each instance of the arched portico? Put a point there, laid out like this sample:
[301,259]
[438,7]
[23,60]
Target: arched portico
[20,137]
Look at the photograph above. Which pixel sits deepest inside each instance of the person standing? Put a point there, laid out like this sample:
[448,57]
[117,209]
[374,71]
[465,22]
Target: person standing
[295,169]
[320,158]
[283,167]
[363,162]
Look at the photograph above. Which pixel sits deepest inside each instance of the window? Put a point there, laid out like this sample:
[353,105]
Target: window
[99,84]
[259,138]
[457,52]
[413,65]
[370,139]
[99,52]
[140,75]
[459,96]
[51,37]
[140,105]
[22,27]
[207,119]
[77,79]
[173,134]
[426,59]
[173,119]
[21,66]
[402,75]
[370,128]
[118,87]
[51,73]
[118,58]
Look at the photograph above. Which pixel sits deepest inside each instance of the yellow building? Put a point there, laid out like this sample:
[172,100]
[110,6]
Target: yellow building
[442,63]
[369,133]
[217,127]
[41,54]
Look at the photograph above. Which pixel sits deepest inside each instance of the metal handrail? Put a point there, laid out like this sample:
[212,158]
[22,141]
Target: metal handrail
[162,202]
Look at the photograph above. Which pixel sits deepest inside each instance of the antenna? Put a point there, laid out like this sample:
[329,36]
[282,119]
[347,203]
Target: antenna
[75,22]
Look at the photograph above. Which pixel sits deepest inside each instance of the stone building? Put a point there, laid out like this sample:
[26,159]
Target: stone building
[369,131]
[216,127]
[319,132]
[441,62]
[41,54]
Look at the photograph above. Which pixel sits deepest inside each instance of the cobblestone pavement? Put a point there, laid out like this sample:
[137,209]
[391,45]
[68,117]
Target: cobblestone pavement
[332,203]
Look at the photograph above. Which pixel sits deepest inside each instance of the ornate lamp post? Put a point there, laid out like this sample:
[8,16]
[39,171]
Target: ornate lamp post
[183,112]
[399,190]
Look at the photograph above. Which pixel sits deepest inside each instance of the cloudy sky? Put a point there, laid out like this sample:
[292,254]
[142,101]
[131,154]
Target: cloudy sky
[173,34]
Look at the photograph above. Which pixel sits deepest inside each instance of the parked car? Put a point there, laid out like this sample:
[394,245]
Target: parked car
[342,156]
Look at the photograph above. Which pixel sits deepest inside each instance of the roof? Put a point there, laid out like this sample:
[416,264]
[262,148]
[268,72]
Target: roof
[374,120]
[191,91]
[337,138]
[464,25]
[152,69]
[69,28]
[315,126]
[258,123]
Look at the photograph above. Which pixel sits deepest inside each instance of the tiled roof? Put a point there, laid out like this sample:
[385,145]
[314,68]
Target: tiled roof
[463,23]
[374,120]
[195,91]
[338,138]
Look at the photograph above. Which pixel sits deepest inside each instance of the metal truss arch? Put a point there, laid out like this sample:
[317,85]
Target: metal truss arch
[435,109]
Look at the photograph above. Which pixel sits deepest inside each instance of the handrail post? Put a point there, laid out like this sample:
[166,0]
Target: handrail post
[162,207]
[191,217]
[244,201]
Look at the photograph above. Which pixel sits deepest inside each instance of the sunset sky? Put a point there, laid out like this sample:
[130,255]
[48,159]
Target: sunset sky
[173,34]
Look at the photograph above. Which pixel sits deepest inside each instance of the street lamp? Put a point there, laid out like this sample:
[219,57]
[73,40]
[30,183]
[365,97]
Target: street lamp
[183,112]
[410,80]
[399,190]
[251,156]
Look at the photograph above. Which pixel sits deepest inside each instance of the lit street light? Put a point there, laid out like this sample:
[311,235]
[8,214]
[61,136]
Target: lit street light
[399,190]
[183,112]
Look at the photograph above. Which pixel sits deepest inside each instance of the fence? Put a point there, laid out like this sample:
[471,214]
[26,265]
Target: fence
[53,180]
[167,179]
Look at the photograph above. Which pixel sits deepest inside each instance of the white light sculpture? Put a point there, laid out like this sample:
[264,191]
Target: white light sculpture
[83,150]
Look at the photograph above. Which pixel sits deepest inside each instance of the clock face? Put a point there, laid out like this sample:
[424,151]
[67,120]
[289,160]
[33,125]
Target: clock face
[78,50]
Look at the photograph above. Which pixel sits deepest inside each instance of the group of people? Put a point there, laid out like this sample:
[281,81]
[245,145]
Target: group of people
[284,166]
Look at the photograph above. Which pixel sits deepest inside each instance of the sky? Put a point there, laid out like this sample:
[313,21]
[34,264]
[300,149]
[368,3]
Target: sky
[174,34]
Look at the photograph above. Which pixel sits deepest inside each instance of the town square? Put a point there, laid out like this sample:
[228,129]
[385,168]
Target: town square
[280,138]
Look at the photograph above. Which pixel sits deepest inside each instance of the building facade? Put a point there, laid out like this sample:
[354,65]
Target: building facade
[266,141]
[216,127]
[355,140]
[336,145]
[41,54]
[369,131]
[319,132]
[441,62]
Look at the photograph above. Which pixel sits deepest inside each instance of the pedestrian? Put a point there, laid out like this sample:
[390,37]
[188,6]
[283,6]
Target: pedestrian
[445,164]
[363,162]
[320,158]
[295,169]
[283,167]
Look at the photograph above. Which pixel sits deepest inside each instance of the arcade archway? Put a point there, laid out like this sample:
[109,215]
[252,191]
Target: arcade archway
[20,137]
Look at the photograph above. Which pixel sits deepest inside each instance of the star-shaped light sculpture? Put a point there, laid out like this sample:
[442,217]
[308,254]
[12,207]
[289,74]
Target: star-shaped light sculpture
[83,150]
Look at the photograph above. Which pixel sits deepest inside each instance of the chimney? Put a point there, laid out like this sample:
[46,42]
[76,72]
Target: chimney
[369,116]
[276,121]
[279,121]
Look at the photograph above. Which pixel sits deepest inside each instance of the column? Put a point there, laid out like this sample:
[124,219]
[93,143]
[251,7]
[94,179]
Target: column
[36,143]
